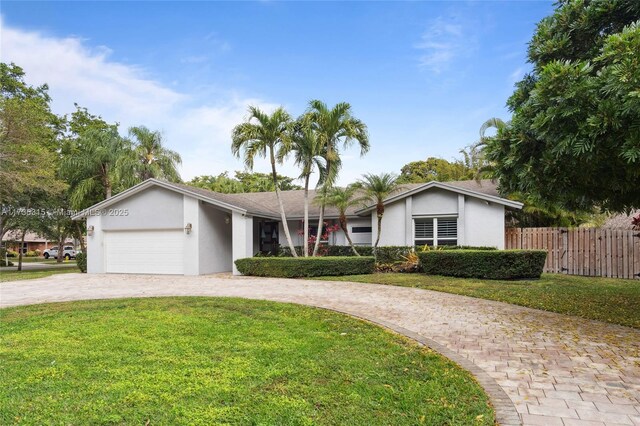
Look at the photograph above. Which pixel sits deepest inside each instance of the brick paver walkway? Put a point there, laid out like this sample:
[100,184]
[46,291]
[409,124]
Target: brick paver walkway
[557,370]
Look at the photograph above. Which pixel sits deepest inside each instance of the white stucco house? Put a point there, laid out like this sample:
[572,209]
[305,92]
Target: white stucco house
[158,227]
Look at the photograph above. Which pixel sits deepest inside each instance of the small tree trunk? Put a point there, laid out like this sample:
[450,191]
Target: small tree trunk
[380,211]
[78,235]
[343,225]
[319,231]
[306,216]
[283,216]
[24,232]
[60,245]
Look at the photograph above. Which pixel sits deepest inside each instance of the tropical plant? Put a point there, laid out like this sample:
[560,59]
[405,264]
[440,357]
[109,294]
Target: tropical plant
[342,199]
[265,135]
[307,155]
[97,163]
[376,189]
[152,159]
[335,128]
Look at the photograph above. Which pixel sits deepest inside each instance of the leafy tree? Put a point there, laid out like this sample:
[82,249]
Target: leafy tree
[574,138]
[151,158]
[307,155]
[335,128]
[242,182]
[261,135]
[433,168]
[342,199]
[29,138]
[376,189]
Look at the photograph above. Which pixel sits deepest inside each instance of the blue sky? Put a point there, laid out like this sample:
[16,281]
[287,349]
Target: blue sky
[422,75]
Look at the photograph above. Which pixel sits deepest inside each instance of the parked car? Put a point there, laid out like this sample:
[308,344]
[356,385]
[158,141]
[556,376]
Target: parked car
[68,253]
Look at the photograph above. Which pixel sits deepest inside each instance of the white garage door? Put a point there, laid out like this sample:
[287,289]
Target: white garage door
[144,252]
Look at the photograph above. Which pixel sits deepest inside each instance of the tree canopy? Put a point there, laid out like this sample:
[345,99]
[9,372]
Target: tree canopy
[242,182]
[574,138]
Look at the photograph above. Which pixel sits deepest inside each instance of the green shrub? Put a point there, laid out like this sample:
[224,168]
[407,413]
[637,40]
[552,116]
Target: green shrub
[289,267]
[31,253]
[81,261]
[4,263]
[487,264]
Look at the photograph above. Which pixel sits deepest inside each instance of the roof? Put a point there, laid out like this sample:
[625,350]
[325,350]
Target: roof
[265,204]
[30,237]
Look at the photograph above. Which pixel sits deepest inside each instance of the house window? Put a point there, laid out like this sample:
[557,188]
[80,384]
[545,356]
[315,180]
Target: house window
[361,229]
[436,231]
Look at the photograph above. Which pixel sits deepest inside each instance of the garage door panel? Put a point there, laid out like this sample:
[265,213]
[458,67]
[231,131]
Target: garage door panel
[144,252]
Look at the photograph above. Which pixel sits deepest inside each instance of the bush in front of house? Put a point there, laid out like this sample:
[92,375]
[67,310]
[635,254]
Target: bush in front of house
[289,267]
[81,261]
[486,264]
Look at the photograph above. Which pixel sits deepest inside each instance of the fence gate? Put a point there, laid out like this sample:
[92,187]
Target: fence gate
[593,252]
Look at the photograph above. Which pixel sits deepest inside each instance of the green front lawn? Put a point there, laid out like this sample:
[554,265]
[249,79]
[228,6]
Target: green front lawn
[605,299]
[221,361]
[39,259]
[12,275]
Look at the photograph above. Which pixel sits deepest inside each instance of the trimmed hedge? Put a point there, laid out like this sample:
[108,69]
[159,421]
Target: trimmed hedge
[384,254]
[289,267]
[486,264]
[81,261]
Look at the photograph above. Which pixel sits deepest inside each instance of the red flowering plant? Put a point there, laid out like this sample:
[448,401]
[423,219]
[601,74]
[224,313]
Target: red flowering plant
[327,230]
[635,221]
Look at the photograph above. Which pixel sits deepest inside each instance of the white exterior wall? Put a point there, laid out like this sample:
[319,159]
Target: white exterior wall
[483,223]
[215,240]
[242,244]
[95,246]
[393,225]
[359,239]
[153,208]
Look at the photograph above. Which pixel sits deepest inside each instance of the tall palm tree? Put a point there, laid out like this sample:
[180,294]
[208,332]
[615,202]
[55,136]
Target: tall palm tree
[486,169]
[307,155]
[265,135]
[342,199]
[376,189]
[95,164]
[152,159]
[335,128]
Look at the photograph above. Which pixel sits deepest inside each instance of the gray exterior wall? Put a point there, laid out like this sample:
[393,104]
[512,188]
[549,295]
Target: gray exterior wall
[154,208]
[215,240]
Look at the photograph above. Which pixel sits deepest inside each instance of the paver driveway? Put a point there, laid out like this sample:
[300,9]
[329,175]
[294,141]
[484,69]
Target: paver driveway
[557,370]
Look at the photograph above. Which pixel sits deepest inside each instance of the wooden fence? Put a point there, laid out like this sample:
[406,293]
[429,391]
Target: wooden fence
[594,252]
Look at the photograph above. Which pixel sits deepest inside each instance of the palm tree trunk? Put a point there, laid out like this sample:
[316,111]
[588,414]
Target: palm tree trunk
[320,223]
[380,211]
[343,225]
[306,216]
[283,216]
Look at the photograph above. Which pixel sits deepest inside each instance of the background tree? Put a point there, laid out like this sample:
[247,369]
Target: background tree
[151,158]
[243,182]
[343,199]
[263,135]
[376,189]
[29,138]
[574,137]
[308,156]
[433,168]
[98,162]
[335,128]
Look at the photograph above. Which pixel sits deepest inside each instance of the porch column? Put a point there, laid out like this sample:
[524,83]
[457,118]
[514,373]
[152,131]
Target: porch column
[191,215]
[242,237]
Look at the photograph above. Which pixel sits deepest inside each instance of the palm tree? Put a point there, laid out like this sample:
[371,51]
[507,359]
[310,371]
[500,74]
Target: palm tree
[376,189]
[307,155]
[95,165]
[335,128]
[152,159]
[486,169]
[342,199]
[263,134]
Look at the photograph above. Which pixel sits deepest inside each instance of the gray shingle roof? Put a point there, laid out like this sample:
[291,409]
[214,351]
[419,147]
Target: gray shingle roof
[266,203]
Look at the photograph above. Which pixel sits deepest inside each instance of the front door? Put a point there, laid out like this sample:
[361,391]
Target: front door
[269,237]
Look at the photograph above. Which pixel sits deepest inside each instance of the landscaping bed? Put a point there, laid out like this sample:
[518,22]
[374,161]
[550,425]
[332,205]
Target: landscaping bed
[221,361]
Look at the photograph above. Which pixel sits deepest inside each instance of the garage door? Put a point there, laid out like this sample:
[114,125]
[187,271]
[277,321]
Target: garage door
[144,252]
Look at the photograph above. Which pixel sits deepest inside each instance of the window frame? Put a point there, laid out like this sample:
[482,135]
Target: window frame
[435,239]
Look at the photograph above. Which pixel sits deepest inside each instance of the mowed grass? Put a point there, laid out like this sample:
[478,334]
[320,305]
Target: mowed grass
[204,361]
[605,299]
[12,275]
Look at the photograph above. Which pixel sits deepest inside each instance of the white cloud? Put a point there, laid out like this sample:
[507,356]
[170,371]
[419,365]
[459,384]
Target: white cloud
[442,43]
[127,94]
